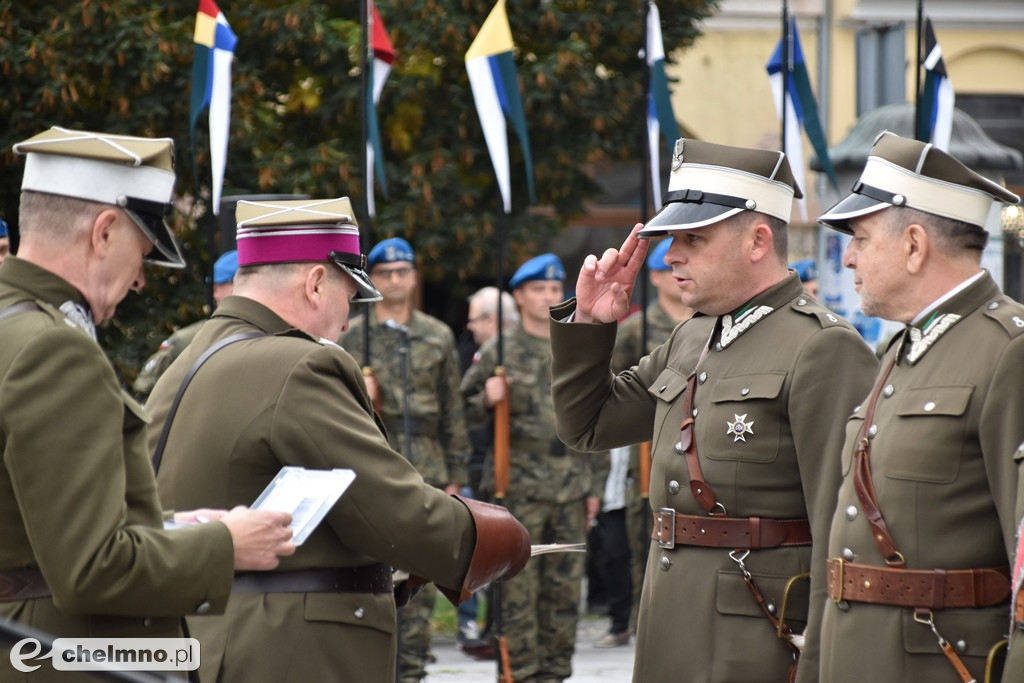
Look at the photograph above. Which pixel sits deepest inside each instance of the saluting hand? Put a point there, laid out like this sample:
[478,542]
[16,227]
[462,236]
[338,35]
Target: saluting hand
[605,285]
[260,537]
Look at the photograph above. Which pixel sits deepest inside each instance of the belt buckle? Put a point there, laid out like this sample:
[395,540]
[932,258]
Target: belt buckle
[671,542]
[839,598]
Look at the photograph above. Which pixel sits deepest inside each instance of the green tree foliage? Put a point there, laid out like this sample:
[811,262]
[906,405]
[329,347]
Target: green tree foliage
[125,66]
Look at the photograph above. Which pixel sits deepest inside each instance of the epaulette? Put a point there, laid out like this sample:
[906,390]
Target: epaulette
[826,318]
[1008,314]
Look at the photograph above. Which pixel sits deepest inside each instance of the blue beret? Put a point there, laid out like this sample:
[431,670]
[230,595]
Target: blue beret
[656,256]
[806,269]
[3,228]
[389,251]
[224,268]
[543,267]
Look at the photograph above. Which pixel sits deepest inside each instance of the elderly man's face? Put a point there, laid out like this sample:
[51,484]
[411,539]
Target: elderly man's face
[876,259]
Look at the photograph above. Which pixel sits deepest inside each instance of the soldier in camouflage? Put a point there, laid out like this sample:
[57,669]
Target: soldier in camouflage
[553,490]
[439,445]
[223,278]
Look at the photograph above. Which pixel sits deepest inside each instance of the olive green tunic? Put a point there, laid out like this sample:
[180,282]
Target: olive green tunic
[77,495]
[793,377]
[290,399]
[943,467]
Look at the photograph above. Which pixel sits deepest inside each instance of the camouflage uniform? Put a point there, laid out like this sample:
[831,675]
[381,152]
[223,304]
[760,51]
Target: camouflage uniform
[628,353]
[439,445]
[548,485]
[156,364]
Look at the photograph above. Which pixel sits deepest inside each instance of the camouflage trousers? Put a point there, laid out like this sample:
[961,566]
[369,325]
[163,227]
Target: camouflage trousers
[540,607]
[414,635]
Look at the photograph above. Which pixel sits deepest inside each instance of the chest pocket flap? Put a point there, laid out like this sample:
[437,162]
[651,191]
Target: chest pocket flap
[746,387]
[669,385]
[926,401]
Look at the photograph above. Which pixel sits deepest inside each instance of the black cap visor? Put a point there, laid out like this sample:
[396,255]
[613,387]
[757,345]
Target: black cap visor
[151,219]
[852,206]
[355,265]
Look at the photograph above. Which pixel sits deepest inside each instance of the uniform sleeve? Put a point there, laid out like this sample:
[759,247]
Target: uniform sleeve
[87,497]
[833,375]
[472,386]
[453,418]
[388,512]
[594,409]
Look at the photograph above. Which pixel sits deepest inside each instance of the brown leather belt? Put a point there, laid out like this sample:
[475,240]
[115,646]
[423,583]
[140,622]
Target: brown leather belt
[22,584]
[671,528]
[932,588]
[373,578]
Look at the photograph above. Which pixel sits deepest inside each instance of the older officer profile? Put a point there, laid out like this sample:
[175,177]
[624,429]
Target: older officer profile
[924,525]
[284,393]
[84,551]
[743,404]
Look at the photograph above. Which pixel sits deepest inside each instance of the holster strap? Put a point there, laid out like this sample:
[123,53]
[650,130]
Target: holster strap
[373,578]
[22,584]
[931,588]
[753,533]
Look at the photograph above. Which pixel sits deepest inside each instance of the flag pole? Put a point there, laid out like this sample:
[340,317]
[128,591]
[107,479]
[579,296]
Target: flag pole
[365,83]
[786,66]
[648,175]
[918,132]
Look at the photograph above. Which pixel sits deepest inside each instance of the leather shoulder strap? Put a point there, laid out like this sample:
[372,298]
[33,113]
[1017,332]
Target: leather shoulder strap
[158,454]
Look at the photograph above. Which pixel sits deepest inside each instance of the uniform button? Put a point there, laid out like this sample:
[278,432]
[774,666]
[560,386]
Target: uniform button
[929,406]
[665,563]
[673,487]
[961,646]
[872,431]
[744,391]
[204,607]
[851,512]
[718,346]
[662,388]
[843,606]
[147,622]
[848,555]
[888,391]
[855,410]
[993,306]
[359,613]
[678,448]
[695,412]
[801,302]
[703,377]
[771,607]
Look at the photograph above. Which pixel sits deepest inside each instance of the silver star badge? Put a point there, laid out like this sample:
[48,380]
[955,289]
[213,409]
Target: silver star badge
[739,428]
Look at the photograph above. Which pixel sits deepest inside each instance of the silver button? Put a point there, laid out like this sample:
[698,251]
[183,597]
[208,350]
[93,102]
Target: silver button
[851,512]
[359,613]
[678,448]
[718,346]
[744,391]
[703,377]
[872,431]
[771,607]
[855,410]
[848,555]
[888,391]
[695,412]
[665,563]
[929,406]
[147,622]
[961,646]
[673,487]
[801,302]
[993,306]
[662,388]
[843,606]
[204,607]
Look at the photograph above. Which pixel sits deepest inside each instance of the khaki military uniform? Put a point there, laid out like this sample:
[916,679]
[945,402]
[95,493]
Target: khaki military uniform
[439,447]
[627,353]
[158,363]
[288,399]
[77,496]
[548,485]
[784,383]
[942,463]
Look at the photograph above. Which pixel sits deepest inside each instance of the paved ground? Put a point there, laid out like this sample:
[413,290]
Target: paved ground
[590,664]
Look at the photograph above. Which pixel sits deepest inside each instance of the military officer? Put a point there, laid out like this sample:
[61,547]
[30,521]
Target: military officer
[744,405]
[553,490]
[84,552]
[289,395]
[427,394]
[223,274]
[925,523]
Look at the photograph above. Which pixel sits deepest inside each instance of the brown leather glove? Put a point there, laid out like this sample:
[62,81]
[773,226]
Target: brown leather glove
[502,548]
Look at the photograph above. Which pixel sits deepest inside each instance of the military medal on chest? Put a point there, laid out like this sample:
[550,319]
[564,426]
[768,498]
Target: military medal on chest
[739,428]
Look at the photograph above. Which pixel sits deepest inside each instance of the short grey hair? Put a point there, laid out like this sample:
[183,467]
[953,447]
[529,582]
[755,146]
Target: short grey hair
[950,235]
[488,300]
[54,217]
